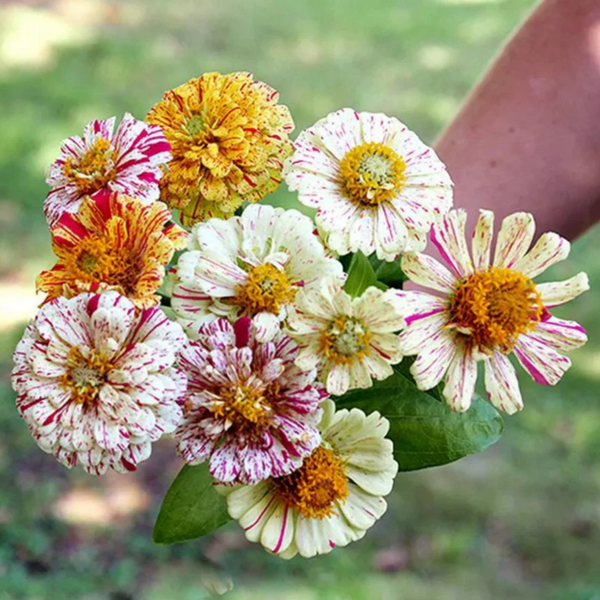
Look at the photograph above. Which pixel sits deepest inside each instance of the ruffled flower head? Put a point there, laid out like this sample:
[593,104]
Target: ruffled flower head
[252,266]
[375,185]
[249,410]
[130,161]
[484,310]
[349,340]
[96,382]
[229,138]
[332,499]
[113,243]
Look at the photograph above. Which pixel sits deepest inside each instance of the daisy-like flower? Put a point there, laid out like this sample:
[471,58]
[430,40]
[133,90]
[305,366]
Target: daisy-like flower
[332,499]
[484,310]
[229,138]
[249,410]
[375,185]
[350,340]
[129,161]
[95,380]
[116,243]
[251,265]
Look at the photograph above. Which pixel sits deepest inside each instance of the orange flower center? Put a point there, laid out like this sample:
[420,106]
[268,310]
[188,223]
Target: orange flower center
[372,173]
[317,486]
[494,307]
[85,375]
[94,169]
[266,290]
[94,260]
[346,339]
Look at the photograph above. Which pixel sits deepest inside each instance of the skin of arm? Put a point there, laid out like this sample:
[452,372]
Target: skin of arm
[528,137]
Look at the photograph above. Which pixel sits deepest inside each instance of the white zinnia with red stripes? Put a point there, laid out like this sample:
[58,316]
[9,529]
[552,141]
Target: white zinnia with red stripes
[376,186]
[95,380]
[129,161]
[484,310]
[250,411]
[332,500]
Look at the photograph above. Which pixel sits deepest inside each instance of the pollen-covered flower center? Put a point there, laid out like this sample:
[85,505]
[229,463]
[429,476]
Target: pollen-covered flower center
[246,406]
[494,307]
[317,486]
[345,339]
[85,375]
[94,169]
[94,259]
[372,173]
[267,289]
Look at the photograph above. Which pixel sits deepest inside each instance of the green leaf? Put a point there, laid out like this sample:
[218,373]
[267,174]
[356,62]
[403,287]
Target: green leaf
[192,508]
[361,276]
[425,431]
[389,273]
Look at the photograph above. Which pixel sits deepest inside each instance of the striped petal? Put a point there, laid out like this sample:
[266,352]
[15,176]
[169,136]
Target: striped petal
[559,292]
[481,244]
[545,365]
[550,249]
[448,236]
[502,384]
[460,381]
[428,272]
[514,239]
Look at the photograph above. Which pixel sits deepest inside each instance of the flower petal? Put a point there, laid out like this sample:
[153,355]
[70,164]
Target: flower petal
[514,239]
[502,384]
[549,250]
[481,244]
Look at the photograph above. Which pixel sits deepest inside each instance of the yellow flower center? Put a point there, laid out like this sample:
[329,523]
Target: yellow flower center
[248,409]
[372,173]
[85,375]
[94,169]
[345,340]
[266,290]
[494,307]
[315,488]
[95,260]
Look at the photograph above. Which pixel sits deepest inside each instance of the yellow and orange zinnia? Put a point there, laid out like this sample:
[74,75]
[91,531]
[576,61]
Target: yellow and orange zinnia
[113,242]
[228,138]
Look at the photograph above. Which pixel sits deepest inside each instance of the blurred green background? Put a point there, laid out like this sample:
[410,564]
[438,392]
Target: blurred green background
[522,519]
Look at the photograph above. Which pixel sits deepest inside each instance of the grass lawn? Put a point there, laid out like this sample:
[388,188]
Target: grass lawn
[521,519]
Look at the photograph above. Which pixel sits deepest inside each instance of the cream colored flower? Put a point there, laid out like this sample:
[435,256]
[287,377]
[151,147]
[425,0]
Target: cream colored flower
[350,340]
[332,500]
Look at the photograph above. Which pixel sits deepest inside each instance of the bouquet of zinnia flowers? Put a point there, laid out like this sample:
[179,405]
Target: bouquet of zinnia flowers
[275,348]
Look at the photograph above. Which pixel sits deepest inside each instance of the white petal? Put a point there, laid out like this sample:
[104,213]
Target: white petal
[459,387]
[448,235]
[433,360]
[557,293]
[543,363]
[278,532]
[559,334]
[428,272]
[338,380]
[514,239]
[502,384]
[481,243]
[549,250]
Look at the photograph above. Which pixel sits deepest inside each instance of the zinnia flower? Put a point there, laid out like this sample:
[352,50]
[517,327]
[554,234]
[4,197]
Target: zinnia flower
[129,161]
[350,340]
[249,410]
[229,138]
[486,310]
[95,380]
[375,185]
[113,243]
[251,265]
[332,499]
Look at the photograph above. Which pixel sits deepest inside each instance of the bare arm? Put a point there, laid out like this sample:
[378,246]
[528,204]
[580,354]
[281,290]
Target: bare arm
[528,138]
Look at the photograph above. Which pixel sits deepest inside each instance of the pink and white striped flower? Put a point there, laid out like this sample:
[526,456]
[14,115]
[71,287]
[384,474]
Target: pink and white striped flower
[332,500]
[249,410]
[376,186]
[484,310]
[129,161]
[95,380]
[252,265]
